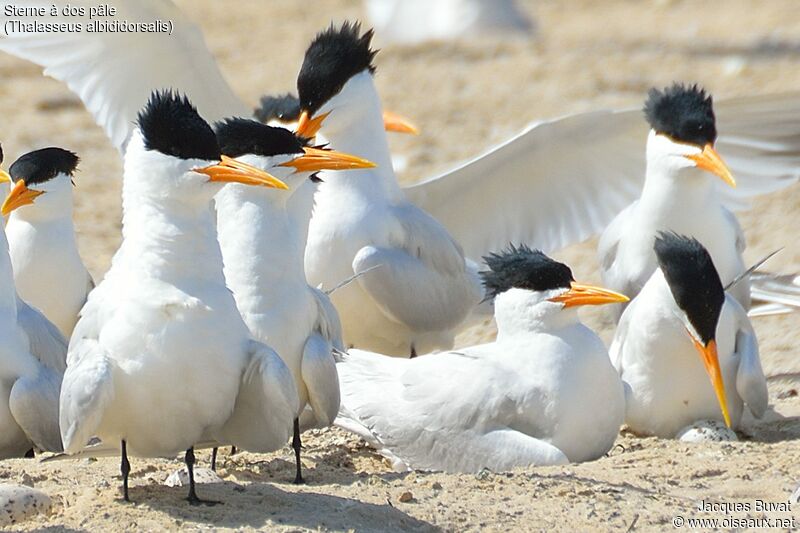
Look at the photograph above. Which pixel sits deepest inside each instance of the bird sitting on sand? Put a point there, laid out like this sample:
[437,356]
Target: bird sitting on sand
[543,393]
[681,312]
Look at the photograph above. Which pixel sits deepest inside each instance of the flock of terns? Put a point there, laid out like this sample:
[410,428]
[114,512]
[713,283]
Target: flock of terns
[268,272]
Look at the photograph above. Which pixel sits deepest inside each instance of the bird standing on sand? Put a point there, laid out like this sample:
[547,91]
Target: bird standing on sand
[32,361]
[415,289]
[262,235]
[48,270]
[543,393]
[679,195]
[682,312]
[160,359]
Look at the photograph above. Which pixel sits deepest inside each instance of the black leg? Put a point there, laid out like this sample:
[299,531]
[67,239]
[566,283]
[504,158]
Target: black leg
[193,499]
[29,454]
[297,444]
[413,352]
[214,459]
[125,468]
[233,450]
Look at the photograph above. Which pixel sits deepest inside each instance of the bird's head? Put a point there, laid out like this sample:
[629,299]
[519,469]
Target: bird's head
[174,154]
[547,282]
[683,131]
[280,152]
[41,183]
[697,290]
[335,80]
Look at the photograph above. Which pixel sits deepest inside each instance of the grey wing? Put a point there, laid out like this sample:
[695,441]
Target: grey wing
[34,404]
[328,323]
[47,343]
[750,381]
[318,369]
[86,392]
[266,406]
[613,271]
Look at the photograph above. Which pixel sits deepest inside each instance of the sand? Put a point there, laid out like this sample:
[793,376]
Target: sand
[465,97]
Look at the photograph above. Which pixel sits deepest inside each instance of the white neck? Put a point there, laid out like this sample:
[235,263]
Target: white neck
[521,311]
[263,247]
[8,292]
[355,126]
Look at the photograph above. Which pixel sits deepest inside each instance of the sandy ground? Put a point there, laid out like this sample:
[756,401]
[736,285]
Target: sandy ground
[465,97]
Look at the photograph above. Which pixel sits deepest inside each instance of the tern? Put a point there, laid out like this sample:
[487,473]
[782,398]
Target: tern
[262,235]
[32,364]
[543,393]
[416,288]
[681,331]
[679,195]
[160,358]
[48,270]
[555,183]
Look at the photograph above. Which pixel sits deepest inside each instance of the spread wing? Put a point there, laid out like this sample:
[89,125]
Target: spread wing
[561,181]
[114,73]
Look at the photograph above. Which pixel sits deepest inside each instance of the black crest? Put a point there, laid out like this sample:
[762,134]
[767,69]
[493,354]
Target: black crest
[171,125]
[523,268]
[285,108]
[1,154]
[335,56]
[693,280]
[683,112]
[43,165]
[239,136]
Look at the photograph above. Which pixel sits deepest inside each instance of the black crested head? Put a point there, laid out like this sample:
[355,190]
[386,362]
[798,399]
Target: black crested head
[285,108]
[334,56]
[523,268]
[1,154]
[240,136]
[693,280]
[684,112]
[170,124]
[43,165]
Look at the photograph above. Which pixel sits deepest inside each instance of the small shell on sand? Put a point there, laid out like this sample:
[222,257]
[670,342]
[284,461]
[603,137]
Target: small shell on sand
[180,478]
[707,431]
[18,503]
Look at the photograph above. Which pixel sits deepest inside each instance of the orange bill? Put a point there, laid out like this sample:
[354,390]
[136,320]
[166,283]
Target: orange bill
[232,171]
[316,159]
[20,195]
[711,161]
[398,124]
[308,127]
[588,295]
[4,177]
[708,354]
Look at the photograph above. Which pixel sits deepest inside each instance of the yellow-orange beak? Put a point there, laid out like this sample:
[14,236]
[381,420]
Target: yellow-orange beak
[588,295]
[308,127]
[711,161]
[398,124]
[231,171]
[20,195]
[4,177]
[316,159]
[708,354]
